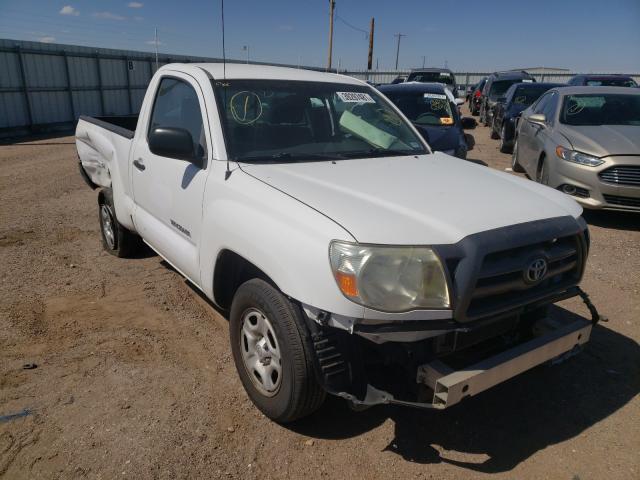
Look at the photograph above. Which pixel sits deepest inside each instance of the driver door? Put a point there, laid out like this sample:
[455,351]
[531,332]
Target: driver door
[168,192]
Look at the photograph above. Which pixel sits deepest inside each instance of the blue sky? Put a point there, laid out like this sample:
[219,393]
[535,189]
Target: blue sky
[478,35]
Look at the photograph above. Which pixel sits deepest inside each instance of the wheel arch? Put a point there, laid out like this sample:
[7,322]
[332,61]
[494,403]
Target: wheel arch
[229,272]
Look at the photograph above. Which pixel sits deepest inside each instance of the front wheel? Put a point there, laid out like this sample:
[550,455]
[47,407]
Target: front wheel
[543,172]
[494,135]
[272,353]
[515,165]
[504,147]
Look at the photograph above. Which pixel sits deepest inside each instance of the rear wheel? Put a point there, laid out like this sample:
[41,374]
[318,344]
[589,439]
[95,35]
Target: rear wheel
[515,166]
[272,353]
[116,239]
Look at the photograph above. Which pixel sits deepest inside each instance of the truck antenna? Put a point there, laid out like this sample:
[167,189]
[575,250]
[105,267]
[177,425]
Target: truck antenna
[224,56]
[227,174]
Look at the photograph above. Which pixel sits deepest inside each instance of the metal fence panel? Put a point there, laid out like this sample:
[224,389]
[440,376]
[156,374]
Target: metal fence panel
[83,71]
[10,77]
[50,107]
[87,102]
[13,108]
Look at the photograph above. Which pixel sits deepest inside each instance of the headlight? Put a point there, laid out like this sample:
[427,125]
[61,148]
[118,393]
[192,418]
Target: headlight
[578,157]
[391,279]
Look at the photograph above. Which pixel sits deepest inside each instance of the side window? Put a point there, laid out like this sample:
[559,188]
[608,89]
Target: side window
[549,110]
[176,105]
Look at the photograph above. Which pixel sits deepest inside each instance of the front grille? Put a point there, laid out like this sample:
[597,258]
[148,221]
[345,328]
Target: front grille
[623,201]
[621,175]
[500,283]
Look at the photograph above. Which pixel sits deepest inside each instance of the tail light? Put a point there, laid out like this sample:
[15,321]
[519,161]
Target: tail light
[477,94]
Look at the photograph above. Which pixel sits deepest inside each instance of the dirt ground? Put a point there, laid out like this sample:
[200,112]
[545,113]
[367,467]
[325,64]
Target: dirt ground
[134,375]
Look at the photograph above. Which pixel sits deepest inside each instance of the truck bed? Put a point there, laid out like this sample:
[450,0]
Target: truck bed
[124,125]
[103,147]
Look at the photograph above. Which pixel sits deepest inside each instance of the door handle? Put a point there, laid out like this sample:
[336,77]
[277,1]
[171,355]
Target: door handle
[138,164]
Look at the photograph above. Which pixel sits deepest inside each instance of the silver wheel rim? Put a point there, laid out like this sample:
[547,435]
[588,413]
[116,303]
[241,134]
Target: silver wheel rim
[261,352]
[514,155]
[107,227]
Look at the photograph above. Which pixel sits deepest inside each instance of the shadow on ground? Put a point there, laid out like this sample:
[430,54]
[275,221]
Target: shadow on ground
[52,138]
[615,220]
[504,426]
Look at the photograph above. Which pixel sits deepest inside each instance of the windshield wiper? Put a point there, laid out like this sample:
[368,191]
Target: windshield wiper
[285,157]
[380,152]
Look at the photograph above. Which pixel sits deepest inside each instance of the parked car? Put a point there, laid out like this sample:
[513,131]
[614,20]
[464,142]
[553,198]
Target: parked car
[496,86]
[435,75]
[507,110]
[434,112]
[474,97]
[348,257]
[603,81]
[584,141]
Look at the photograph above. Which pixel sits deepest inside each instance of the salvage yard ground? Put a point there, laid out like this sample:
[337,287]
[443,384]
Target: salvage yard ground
[135,379]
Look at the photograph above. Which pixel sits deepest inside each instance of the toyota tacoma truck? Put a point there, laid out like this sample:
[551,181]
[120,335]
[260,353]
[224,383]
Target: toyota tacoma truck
[349,258]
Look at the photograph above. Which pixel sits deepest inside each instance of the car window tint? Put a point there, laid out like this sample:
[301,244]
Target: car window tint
[176,106]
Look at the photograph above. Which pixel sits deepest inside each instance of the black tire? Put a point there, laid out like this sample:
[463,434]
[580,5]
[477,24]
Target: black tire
[298,394]
[543,172]
[504,147]
[494,135]
[120,242]
[515,166]
[474,109]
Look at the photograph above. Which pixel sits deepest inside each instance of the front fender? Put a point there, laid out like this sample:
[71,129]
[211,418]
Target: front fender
[286,239]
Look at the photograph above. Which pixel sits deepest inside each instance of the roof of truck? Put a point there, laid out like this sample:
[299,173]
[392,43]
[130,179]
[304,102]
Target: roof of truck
[267,72]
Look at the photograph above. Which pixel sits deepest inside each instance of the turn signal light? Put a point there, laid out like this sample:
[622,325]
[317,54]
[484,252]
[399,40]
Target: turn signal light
[347,283]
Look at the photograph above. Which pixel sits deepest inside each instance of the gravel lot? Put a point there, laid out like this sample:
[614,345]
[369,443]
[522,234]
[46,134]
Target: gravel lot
[134,376]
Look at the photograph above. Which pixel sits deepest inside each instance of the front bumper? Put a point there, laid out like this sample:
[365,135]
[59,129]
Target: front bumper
[601,195]
[442,371]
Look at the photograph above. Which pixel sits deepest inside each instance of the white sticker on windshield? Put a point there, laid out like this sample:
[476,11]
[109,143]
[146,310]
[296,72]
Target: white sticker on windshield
[527,80]
[435,95]
[445,74]
[355,97]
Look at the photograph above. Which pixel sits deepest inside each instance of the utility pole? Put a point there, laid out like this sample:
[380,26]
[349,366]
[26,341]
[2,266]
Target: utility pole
[332,6]
[424,60]
[156,42]
[370,57]
[246,49]
[399,35]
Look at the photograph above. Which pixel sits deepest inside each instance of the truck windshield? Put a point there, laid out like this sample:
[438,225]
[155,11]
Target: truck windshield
[601,109]
[282,121]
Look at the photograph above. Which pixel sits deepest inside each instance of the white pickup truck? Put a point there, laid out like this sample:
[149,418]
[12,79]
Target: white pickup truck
[350,258]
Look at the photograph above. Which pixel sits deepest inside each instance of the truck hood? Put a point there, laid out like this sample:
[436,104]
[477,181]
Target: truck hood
[603,140]
[414,200]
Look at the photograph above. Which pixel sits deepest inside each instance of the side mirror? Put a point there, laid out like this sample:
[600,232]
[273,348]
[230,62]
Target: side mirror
[537,118]
[173,142]
[468,123]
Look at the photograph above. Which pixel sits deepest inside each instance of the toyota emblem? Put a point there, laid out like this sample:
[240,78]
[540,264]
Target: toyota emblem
[536,270]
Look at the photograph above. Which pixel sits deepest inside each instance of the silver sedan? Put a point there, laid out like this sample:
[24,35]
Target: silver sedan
[584,141]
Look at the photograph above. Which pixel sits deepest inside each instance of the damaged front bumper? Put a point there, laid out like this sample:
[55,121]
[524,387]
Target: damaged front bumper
[438,376]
